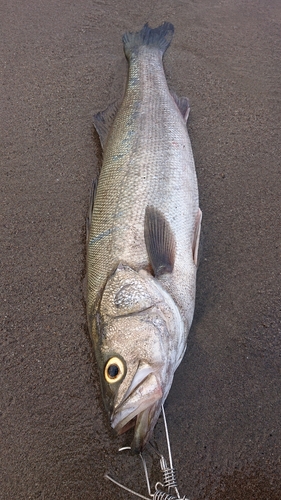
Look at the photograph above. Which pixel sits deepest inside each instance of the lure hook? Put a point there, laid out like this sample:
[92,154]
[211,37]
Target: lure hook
[168,490]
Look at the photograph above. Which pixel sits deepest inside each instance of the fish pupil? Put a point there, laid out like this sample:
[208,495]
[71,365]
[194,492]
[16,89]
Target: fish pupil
[113,371]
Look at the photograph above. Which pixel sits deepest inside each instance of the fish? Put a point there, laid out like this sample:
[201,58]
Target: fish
[143,239]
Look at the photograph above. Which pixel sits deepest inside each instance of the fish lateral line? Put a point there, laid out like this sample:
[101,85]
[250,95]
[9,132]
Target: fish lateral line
[102,235]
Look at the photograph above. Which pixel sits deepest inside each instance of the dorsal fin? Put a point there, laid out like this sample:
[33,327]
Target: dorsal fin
[103,121]
[182,103]
[196,237]
[91,207]
[160,241]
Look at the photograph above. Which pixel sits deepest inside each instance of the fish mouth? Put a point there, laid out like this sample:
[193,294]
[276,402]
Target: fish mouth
[139,407]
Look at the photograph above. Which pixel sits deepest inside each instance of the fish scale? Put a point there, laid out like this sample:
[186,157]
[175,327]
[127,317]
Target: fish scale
[148,167]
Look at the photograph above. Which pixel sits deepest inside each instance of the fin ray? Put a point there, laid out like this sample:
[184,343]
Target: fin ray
[160,241]
[159,38]
[91,207]
[196,237]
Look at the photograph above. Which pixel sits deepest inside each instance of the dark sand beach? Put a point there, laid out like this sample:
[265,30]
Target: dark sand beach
[63,60]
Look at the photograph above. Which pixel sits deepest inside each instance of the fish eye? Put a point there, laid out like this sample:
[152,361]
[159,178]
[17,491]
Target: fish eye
[114,370]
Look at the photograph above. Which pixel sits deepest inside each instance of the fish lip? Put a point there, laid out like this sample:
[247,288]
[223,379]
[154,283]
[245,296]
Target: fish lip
[144,426]
[147,393]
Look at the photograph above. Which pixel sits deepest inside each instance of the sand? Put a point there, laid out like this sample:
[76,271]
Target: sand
[62,61]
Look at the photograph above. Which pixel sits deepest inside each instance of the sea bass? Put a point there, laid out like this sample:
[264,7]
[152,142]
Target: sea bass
[143,239]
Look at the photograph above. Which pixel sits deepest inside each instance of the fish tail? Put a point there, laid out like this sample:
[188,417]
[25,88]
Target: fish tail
[158,38]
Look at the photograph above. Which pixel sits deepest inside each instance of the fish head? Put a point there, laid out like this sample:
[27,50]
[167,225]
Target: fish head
[140,342]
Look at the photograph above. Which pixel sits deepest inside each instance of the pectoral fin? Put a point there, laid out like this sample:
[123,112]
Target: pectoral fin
[196,237]
[160,241]
[104,120]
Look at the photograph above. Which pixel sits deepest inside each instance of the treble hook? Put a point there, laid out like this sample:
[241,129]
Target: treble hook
[168,472]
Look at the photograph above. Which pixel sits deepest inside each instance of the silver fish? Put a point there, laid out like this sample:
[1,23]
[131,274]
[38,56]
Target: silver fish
[143,239]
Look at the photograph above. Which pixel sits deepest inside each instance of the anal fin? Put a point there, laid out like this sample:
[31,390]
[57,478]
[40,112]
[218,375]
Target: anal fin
[160,241]
[103,121]
[182,104]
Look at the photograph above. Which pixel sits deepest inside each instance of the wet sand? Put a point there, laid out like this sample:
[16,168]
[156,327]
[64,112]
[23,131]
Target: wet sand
[63,61]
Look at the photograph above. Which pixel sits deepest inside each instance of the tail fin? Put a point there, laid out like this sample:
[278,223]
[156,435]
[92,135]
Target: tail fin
[159,38]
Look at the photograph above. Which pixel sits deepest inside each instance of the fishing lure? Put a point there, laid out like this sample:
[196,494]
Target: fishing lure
[165,490]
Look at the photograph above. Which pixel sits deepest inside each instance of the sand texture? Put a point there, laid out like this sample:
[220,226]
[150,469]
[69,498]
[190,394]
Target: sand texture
[62,61]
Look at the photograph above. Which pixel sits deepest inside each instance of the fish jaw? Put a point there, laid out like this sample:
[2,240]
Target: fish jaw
[140,405]
[145,424]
